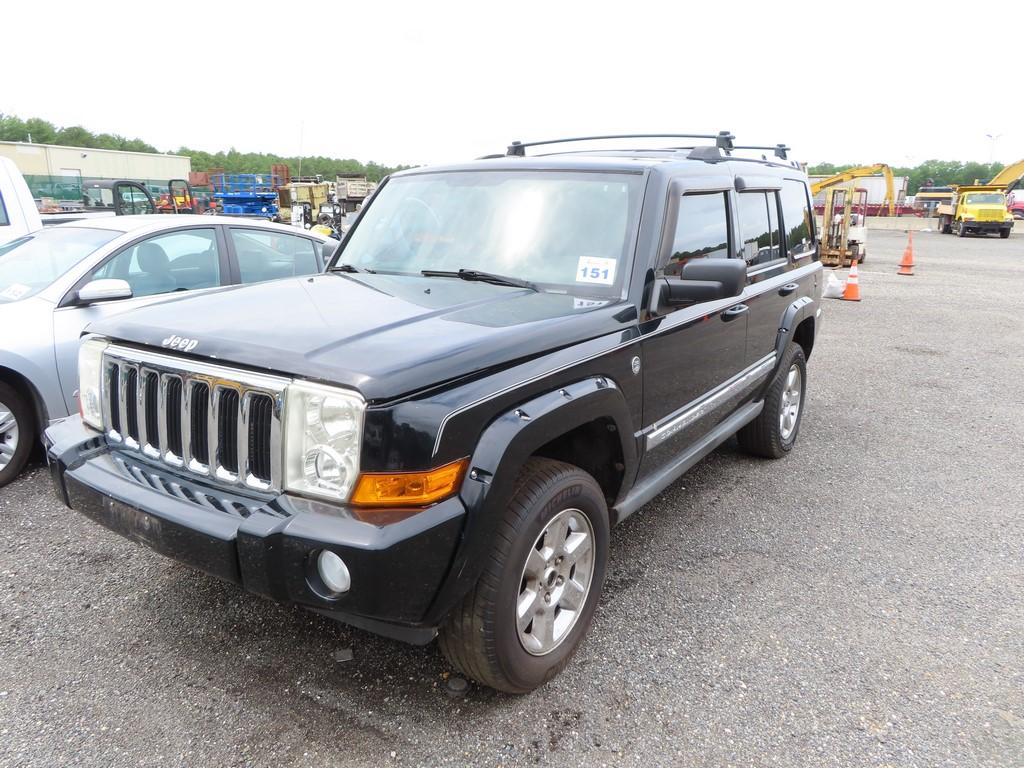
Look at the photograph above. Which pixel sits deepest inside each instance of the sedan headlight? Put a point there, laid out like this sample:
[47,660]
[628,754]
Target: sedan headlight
[90,381]
[323,436]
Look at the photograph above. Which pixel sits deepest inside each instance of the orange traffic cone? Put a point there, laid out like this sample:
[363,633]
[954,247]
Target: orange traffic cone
[852,291]
[907,265]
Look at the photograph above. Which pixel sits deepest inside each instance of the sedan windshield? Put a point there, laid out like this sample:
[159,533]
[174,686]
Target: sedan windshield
[556,229]
[30,263]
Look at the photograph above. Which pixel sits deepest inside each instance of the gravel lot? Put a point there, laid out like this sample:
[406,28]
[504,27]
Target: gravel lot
[858,603]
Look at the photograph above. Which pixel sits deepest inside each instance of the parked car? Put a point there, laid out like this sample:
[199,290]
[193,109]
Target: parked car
[1015,203]
[57,280]
[504,359]
[18,212]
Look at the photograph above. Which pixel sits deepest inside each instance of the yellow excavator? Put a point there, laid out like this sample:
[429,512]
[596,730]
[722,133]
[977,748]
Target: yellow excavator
[857,173]
[1009,176]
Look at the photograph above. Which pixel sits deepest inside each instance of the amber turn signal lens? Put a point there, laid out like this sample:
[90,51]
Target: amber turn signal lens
[408,489]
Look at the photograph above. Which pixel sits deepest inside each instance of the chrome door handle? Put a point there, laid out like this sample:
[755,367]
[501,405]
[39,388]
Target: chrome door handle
[733,312]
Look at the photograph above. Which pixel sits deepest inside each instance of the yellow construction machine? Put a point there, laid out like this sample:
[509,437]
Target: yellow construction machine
[861,172]
[844,227]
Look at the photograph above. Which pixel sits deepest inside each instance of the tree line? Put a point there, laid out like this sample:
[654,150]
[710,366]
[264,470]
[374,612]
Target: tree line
[931,172]
[39,131]
[35,129]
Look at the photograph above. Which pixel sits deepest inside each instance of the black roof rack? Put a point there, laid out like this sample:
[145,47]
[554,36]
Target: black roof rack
[723,140]
[780,150]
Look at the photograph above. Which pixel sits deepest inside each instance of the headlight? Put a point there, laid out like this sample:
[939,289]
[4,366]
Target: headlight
[90,381]
[323,435]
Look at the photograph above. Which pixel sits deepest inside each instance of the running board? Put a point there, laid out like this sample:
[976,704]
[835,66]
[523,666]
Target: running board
[651,486]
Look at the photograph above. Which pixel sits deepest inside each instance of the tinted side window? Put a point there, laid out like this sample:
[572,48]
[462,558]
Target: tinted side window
[264,255]
[702,230]
[177,261]
[4,221]
[759,223]
[796,216]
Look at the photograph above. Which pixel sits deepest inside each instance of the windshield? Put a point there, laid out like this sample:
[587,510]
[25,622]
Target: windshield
[30,263]
[981,198]
[556,229]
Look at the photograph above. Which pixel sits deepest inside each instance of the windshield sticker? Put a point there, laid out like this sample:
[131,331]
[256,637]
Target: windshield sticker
[593,269]
[15,291]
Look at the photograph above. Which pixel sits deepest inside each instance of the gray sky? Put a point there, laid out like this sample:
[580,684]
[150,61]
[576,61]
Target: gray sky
[430,82]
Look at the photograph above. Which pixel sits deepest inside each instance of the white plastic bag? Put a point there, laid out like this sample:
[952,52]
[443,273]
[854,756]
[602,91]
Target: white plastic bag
[833,288]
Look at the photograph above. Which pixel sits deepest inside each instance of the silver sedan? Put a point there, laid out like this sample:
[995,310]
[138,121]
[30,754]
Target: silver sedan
[56,281]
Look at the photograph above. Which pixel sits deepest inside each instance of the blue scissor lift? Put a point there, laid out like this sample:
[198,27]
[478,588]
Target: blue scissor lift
[246,194]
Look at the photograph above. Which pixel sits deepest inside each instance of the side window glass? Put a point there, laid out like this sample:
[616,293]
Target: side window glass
[796,217]
[702,230]
[4,220]
[264,255]
[177,261]
[759,223]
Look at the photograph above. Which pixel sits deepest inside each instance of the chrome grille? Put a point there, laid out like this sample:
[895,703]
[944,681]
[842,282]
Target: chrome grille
[213,421]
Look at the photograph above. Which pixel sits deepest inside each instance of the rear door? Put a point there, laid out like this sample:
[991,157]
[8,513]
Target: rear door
[690,353]
[260,254]
[776,231]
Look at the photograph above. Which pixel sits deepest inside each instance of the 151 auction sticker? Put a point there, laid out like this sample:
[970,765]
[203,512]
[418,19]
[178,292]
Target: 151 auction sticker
[594,269]
[15,291]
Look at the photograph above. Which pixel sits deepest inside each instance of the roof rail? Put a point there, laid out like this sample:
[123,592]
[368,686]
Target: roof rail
[780,150]
[723,140]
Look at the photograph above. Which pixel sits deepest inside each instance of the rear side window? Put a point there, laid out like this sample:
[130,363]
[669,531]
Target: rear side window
[701,232]
[4,221]
[267,255]
[796,217]
[759,223]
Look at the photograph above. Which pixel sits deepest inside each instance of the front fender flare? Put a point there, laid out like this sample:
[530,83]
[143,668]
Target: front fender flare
[503,447]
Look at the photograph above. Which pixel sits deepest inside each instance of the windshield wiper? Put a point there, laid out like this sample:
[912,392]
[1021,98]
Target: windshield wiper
[350,268]
[475,275]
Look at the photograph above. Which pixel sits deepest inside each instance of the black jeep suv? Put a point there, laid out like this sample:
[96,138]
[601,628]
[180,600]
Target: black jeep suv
[504,359]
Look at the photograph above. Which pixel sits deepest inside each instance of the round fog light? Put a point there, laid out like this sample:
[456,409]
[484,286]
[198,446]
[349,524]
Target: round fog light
[333,572]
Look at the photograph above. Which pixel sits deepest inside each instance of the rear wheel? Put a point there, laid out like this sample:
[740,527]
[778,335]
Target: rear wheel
[17,433]
[773,433]
[533,603]
[944,225]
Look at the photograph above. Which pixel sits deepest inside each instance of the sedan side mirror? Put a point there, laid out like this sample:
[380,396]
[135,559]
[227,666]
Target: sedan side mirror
[706,280]
[104,290]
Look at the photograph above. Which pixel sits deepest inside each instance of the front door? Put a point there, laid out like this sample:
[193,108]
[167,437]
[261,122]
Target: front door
[155,268]
[690,352]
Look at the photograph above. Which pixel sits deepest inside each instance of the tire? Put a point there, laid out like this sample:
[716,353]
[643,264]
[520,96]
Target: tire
[1004,233]
[961,230]
[944,225]
[482,637]
[17,433]
[769,435]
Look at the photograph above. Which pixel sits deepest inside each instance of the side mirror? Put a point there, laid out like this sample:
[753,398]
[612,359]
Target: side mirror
[706,280]
[104,290]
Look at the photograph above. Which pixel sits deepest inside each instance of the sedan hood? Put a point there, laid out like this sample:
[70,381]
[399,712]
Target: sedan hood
[384,335]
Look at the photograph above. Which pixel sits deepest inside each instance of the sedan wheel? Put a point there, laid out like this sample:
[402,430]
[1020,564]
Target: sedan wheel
[8,435]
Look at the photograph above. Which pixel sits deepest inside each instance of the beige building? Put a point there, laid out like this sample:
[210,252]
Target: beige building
[75,163]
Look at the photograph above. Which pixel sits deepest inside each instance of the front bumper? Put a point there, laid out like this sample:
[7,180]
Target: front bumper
[987,226]
[267,545]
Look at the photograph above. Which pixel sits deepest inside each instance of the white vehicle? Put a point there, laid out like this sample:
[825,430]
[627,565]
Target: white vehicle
[57,280]
[18,212]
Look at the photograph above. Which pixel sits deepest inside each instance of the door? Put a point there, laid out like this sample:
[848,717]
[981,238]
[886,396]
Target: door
[155,268]
[689,352]
[775,227]
[761,238]
[270,254]
[131,198]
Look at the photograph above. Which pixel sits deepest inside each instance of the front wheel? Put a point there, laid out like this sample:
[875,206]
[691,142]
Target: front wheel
[773,433]
[17,433]
[961,230]
[1004,233]
[529,610]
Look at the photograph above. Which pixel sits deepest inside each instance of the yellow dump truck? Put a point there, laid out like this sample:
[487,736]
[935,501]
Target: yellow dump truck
[977,209]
